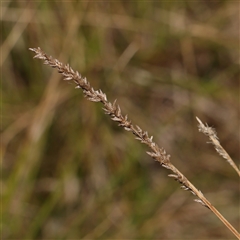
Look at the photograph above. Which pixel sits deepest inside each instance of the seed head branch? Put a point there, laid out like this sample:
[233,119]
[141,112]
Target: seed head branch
[113,109]
[211,133]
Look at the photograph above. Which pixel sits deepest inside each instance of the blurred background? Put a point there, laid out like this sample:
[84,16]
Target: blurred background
[68,171]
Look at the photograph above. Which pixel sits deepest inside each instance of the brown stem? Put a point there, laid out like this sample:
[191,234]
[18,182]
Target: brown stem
[113,109]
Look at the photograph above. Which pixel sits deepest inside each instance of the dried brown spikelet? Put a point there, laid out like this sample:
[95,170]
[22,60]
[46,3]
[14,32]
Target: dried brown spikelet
[113,109]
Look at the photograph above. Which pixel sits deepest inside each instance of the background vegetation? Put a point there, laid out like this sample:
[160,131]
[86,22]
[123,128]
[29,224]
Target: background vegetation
[68,171]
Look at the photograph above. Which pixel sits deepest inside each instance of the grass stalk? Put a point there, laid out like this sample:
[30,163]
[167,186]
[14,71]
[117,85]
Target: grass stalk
[113,109]
[211,133]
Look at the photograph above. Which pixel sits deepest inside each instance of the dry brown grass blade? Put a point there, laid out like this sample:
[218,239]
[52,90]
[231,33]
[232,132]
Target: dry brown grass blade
[113,109]
[211,133]
[16,33]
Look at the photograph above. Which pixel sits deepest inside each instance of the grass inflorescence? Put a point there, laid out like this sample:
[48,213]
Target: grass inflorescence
[114,110]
